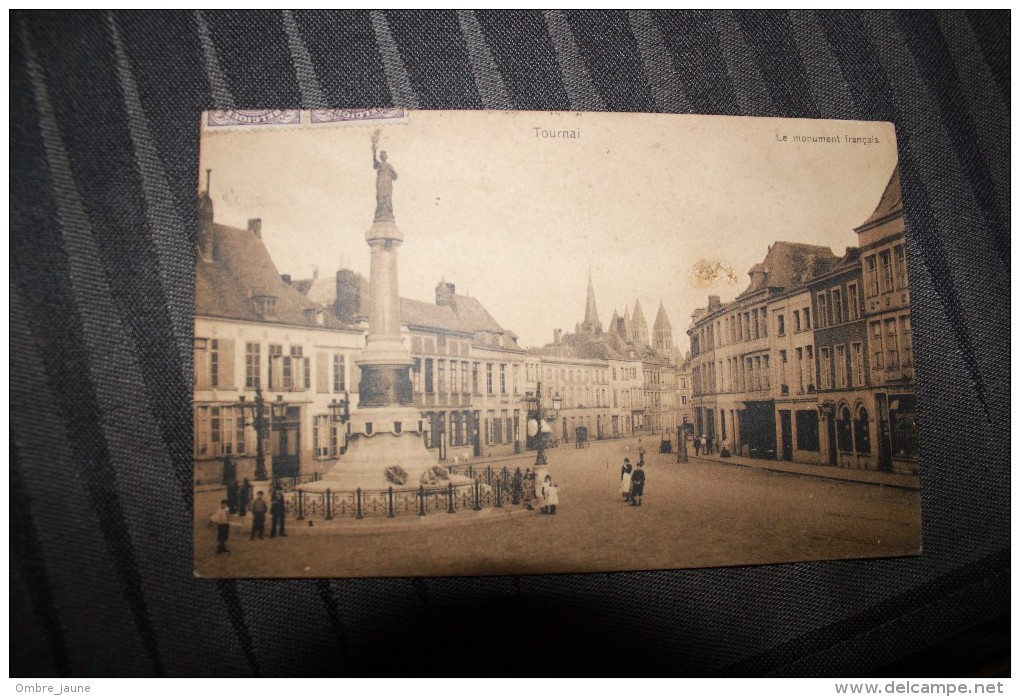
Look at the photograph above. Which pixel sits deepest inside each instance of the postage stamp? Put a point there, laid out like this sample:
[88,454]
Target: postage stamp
[219,118]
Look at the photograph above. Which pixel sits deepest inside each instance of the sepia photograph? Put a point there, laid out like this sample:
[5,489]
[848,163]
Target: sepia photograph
[449,343]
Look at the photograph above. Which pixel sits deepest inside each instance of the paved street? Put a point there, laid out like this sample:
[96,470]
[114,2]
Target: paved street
[703,513]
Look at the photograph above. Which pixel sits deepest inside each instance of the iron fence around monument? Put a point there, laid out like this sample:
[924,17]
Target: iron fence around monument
[489,488]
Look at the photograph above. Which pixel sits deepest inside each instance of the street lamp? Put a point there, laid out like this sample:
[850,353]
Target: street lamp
[535,405]
[341,409]
[253,414]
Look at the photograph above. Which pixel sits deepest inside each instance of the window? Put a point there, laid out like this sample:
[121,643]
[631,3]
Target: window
[502,378]
[903,422]
[807,429]
[901,266]
[474,378]
[807,318]
[871,271]
[800,369]
[809,364]
[453,377]
[441,370]
[892,351]
[841,366]
[837,306]
[490,427]
[877,354]
[296,371]
[825,358]
[516,379]
[429,376]
[822,313]
[252,365]
[214,363]
[464,377]
[325,437]
[276,367]
[219,431]
[339,373]
[857,364]
[488,378]
[907,340]
[780,325]
[853,302]
[887,271]
[784,386]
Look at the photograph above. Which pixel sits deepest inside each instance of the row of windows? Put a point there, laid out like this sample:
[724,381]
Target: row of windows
[282,370]
[441,376]
[886,271]
[564,375]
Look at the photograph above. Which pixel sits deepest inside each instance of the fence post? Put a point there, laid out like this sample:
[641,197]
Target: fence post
[449,498]
[478,488]
[300,505]
[515,487]
[488,475]
[329,505]
[499,494]
[357,505]
[389,502]
[421,500]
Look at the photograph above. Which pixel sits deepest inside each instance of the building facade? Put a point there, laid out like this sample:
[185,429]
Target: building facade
[813,362]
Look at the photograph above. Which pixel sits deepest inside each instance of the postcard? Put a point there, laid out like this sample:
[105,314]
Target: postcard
[433,343]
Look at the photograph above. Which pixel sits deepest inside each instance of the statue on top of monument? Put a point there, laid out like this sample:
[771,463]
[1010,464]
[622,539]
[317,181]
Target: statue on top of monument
[385,175]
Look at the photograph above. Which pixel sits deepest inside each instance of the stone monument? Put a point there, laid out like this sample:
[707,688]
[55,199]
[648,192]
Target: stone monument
[386,430]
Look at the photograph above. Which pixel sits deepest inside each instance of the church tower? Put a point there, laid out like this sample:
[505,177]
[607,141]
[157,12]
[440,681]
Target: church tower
[662,333]
[639,326]
[591,324]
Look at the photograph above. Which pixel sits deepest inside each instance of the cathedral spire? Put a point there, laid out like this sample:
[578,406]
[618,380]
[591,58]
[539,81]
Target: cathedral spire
[591,324]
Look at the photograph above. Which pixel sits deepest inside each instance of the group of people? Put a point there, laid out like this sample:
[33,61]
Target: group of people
[276,509]
[632,481]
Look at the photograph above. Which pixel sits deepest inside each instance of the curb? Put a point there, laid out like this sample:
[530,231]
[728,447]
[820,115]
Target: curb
[914,485]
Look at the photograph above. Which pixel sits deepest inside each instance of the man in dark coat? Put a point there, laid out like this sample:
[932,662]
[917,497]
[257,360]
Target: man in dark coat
[278,513]
[258,516]
[243,498]
[637,484]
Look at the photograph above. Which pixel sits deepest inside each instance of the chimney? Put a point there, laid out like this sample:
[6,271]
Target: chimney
[714,302]
[286,278]
[348,296]
[255,227]
[557,336]
[445,292]
[204,234]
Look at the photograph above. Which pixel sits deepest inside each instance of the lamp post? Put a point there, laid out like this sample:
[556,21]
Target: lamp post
[253,414]
[541,464]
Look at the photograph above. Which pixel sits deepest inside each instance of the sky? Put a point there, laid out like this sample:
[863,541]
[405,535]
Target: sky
[518,220]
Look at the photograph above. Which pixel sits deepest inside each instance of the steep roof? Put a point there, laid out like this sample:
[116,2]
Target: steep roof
[891,202]
[416,313]
[790,264]
[242,270]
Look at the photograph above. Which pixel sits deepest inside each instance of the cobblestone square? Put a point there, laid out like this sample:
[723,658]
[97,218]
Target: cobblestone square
[702,513]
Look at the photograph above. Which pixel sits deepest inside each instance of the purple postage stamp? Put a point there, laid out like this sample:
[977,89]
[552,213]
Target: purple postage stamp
[253,117]
[357,115]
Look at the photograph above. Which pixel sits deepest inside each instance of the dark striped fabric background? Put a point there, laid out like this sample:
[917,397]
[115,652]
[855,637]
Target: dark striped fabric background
[104,151]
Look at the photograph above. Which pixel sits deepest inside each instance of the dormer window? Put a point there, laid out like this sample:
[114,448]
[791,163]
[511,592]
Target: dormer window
[265,305]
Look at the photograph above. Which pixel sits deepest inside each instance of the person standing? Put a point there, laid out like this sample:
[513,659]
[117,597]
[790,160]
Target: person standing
[625,478]
[697,445]
[244,498]
[258,516]
[278,512]
[551,493]
[221,518]
[637,485]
